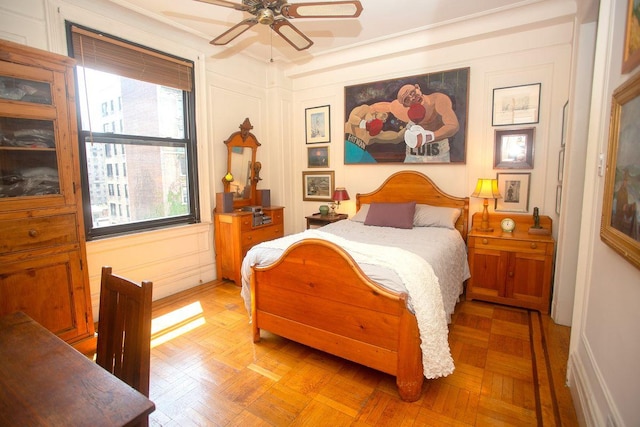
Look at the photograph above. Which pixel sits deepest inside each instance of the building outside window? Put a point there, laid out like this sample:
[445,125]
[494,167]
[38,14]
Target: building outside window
[151,152]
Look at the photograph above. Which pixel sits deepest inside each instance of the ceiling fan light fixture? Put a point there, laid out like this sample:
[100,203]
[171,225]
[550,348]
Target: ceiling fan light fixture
[276,14]
[265,16]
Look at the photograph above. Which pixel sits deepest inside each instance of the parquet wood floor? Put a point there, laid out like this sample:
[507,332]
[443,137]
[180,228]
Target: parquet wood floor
[206,371]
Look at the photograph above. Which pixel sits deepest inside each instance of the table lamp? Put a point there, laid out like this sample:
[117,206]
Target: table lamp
[487,189]
[339,195]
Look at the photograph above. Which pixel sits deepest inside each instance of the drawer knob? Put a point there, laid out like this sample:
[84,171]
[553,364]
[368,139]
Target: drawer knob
[485,241]
[534,245]
[511,274]
[33,233]
[250,238]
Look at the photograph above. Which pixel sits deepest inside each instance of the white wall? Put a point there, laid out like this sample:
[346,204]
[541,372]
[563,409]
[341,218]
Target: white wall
[604,371]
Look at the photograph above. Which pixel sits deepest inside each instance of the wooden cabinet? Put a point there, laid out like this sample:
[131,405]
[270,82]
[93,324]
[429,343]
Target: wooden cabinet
[42,247]
[235,234]
[511,268]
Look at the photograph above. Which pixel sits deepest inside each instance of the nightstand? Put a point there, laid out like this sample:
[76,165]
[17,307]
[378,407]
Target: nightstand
[512,268]
[318,220]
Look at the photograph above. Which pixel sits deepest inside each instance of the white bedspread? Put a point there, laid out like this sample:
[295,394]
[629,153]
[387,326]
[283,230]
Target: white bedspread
[397,259]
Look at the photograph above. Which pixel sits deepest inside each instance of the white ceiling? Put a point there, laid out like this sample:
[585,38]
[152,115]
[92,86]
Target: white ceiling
[380,20]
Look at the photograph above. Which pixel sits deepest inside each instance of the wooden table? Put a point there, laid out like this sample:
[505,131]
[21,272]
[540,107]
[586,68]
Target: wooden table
[319,220]
[45,381]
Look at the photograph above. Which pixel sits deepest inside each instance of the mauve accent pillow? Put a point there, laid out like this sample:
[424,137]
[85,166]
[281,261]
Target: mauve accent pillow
[397,215]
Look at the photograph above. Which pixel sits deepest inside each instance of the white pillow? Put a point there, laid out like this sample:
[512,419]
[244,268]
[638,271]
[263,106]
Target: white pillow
[361,215]
[435,216]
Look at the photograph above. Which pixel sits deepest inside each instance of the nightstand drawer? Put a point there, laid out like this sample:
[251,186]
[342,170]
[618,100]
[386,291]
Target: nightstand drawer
[506,244]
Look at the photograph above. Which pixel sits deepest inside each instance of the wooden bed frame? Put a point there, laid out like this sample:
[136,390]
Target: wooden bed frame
[316,294]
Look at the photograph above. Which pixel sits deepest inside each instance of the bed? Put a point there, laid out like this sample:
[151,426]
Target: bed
[313,288]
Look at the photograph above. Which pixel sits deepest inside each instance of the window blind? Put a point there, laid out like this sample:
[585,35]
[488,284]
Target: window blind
[104,53]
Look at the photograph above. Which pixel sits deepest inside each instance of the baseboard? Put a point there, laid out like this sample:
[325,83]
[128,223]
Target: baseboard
[591,398]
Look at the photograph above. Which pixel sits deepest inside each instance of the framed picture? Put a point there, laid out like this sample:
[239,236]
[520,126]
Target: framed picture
[514,188]
[565,120]
[516,105]
[631,54]
[317,186]
[318,124]
[561,165]
[417,119]
[558,198]
[620,226]
[318,157]
[513,149]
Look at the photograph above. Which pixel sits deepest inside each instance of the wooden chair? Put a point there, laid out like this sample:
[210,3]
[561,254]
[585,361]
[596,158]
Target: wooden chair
[124,329]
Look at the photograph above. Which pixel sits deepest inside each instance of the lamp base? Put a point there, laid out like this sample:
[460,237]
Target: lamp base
[484,230]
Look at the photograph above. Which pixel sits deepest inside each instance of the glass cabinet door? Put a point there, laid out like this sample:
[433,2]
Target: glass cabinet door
[17,89]
[28,158]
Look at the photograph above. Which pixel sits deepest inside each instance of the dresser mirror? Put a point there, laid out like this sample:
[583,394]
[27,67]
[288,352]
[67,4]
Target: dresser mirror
[242,169]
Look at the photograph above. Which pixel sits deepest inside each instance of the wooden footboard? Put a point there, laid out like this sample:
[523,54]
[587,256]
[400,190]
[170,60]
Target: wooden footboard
[316,294]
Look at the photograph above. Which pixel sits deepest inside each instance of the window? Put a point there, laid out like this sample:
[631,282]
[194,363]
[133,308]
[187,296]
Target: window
[137,106]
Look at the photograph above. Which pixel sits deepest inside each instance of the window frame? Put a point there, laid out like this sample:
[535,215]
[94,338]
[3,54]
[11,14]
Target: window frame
[189,142]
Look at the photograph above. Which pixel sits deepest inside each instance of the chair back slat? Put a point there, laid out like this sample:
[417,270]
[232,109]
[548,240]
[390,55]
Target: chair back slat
[124,329]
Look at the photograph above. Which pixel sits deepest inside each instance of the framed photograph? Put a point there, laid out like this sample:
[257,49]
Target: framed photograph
[631,53]
[416,119]
[318,124]
[558,198]
[620,226]
[514,188]
[561,165]
[516,105]
[317,186]
[513,149]
[565,119]
[318,157]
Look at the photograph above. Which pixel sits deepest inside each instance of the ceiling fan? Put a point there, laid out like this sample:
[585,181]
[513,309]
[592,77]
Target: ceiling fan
[276,14]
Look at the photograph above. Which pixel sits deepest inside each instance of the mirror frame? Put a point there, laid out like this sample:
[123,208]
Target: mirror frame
[245,139]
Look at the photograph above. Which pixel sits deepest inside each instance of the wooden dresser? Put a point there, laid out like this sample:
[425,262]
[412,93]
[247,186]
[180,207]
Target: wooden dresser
[511,268]
[235,234]
[42,246]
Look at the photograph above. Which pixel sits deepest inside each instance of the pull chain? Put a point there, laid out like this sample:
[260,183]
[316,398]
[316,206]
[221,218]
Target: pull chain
[271,39]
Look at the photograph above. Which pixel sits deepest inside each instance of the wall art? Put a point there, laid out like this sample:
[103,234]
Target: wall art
[516,105]
[620,226]
[318,124]
[416,119]
[513,149]
[631,53]
[514,188]
[317,186]
[318,157]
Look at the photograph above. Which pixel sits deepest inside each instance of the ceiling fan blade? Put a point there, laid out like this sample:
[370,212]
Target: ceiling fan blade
[323,9]
[234,32]
[291,34]
[225,3]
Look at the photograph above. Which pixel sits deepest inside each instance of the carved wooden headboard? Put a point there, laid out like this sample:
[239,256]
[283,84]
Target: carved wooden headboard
[408,186]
